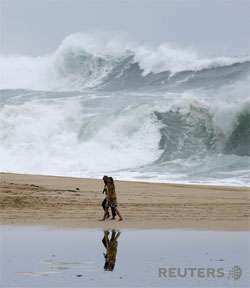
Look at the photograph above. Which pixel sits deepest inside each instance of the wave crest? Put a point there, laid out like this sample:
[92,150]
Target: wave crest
[84,61]
[200,129]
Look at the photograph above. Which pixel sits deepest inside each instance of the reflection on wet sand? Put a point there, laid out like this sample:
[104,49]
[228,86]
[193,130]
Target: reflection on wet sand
[42,257]
[111,245]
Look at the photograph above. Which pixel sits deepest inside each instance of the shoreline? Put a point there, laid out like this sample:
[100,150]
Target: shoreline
[136,181]
[76,203]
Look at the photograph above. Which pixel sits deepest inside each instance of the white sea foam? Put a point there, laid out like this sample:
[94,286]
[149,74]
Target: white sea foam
[41,137]
[196,132]
[85,61]
[167,58]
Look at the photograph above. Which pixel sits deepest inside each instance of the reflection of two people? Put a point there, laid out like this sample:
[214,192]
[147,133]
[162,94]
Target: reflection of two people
[111,246]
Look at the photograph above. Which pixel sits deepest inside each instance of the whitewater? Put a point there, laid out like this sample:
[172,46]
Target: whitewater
[136,112]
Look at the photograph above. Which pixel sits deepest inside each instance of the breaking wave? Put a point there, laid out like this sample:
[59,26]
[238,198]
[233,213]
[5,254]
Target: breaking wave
[98,106]
[82,61]
[64,136]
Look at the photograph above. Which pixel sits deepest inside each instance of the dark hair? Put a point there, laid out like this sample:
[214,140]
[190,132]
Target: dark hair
[111,181]
[105,177]
[109,266]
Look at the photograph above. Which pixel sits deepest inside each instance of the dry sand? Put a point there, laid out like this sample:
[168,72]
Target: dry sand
[76,202]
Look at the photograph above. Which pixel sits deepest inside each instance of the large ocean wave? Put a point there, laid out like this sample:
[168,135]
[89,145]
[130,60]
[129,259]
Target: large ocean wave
[95,107]
[65,135]
[82,62]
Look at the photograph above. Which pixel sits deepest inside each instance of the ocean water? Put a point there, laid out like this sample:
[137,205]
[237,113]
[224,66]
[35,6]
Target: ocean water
[96,107]
[52,257]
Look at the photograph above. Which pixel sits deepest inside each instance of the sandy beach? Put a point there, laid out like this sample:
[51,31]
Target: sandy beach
[76,202]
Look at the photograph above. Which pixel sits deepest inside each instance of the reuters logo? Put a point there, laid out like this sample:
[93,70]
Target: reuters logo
[235,273]
[179,272]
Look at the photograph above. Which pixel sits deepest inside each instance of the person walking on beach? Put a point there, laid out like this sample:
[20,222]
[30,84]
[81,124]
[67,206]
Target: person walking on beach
[105,190]
[111,199]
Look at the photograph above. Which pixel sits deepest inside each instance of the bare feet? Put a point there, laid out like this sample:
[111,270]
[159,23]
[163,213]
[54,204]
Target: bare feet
[120,219]
[101,220]
[113,218]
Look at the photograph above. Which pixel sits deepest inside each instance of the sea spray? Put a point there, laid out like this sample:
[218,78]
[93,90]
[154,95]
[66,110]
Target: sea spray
[82,61]
[95,106]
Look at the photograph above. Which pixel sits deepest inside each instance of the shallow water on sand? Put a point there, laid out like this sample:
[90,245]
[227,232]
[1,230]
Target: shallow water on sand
[53,257]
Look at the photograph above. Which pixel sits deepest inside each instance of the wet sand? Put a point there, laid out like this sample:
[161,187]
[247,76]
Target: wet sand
[76,203]
[34,256]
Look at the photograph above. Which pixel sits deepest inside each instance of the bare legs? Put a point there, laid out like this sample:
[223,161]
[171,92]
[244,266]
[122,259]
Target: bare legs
[106,213]
[117,211]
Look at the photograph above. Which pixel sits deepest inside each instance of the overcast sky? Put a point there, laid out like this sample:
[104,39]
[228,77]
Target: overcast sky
[37,27]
